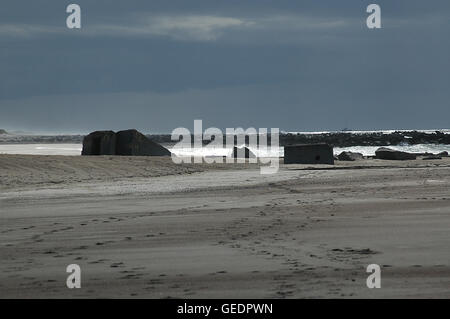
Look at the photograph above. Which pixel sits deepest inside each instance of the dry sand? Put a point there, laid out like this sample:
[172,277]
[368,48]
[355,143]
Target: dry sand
[145,227]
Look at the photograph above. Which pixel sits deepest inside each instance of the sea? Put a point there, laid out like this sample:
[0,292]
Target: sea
[75,149]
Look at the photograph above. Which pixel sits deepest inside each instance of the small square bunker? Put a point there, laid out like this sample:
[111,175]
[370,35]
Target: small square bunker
[308,154]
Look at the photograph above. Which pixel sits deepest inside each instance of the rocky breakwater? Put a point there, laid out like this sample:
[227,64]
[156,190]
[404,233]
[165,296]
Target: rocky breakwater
[345,139]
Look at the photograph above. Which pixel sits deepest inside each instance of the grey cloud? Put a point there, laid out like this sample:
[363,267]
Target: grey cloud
[183,27]
[26,31]
[155,65]
[180,27]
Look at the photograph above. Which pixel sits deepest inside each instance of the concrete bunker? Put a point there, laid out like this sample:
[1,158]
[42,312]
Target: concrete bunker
[308,154]
[127,143]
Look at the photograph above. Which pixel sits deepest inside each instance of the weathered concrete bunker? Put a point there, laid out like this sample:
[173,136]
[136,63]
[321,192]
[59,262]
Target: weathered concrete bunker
[127,143]
[308,154]
[100,143]
[242,152]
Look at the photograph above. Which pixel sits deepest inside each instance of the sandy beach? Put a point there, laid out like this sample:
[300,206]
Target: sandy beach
[144,227]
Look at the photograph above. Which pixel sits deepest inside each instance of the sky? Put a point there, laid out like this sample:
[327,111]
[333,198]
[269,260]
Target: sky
[157,65]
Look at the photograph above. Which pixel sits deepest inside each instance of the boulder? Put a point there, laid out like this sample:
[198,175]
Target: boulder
[308,154]
[443,154]
[350,156]
[99,143]
[242,152]
[390,154]
[129,142]
[432,157]
[134,143]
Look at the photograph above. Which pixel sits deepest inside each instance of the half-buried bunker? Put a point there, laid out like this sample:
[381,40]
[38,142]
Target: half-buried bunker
[127,143]
[308,154]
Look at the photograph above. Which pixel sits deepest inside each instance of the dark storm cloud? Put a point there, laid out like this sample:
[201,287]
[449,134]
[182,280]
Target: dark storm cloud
[156,65]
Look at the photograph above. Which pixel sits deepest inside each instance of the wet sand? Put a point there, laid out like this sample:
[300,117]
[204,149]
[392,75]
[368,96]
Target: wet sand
[145,227]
